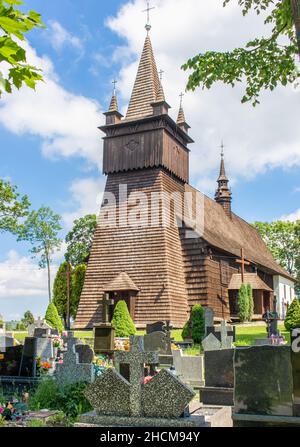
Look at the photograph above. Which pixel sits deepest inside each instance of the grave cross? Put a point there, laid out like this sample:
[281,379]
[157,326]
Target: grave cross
[136,358]
[243,262]
[106,302]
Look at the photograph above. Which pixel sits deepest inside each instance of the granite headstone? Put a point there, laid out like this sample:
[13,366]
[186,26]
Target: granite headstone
[263,381]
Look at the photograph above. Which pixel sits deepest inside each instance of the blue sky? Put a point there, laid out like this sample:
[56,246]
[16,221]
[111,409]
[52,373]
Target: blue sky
[51,148]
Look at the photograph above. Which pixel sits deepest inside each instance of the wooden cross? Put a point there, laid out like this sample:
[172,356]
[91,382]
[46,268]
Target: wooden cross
[136,358]
[243,262]
[106,302]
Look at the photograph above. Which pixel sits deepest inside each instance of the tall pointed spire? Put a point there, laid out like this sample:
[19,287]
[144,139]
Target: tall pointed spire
[146,87]
[223,194]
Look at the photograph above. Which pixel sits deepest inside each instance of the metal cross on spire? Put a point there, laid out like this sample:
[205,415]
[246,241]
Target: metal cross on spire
[161,75]
[149,8]
[222,148]
[114,82]
[181,98]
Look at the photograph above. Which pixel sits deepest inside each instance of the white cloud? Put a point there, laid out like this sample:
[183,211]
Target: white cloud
[21,277]
[87,196]
[60,37]
[256,139]
[66,123]
[292,217]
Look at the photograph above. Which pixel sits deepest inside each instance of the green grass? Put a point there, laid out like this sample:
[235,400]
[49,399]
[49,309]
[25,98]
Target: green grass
[245,336]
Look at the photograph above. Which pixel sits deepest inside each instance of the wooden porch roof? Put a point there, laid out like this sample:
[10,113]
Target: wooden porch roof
[121,283]
[250,278]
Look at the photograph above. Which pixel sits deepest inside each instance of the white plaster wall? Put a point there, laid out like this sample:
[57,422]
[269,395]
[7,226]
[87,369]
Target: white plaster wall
[284,289]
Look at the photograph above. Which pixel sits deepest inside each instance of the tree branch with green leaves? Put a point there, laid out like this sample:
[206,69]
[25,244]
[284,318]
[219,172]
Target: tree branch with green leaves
[41,229]
[13,207]
[14,24]
[264,63]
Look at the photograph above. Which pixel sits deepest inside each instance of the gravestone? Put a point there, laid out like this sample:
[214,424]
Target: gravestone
[39,323]
[41,332]
[29,358]
[224,334]
[118,402]
[85,353]
[217,329]
[10,361]
[209,318]
[219,378]
[136,358]
[211,343]
[295,356]
[45,349]
[263,384]
[6,341]
[71,371]
[158,326]
[189,368]
[160,342]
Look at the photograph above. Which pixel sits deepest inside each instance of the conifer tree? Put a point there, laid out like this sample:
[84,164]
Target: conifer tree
[243,303]
[292,319]
[53,319]
[251,302]
[122,321]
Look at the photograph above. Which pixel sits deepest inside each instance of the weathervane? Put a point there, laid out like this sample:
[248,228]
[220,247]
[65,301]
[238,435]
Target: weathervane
[149,8]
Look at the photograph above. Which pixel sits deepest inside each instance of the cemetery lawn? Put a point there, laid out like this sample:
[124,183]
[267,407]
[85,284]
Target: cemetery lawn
[245,335]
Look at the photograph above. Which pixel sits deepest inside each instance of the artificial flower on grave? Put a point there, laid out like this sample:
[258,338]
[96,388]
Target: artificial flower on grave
[174,347]
[58,342]
[101,363]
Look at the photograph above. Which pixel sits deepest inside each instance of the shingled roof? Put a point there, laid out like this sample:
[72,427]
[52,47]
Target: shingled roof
[147,87]
[230,234]
[249,278]
[120,283]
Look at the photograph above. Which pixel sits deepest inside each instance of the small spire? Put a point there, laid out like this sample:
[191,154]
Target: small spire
[114,101]
[222,175]
[181,116]
[223,194]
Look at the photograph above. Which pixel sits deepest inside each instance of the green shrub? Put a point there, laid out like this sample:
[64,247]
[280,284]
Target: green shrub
[251,302]
[292,319]
[36,423]
[198,323]
[243,303]
[122,321]
[186,331]
[45,396]
[53,319]
[195,327]
[3,422]
[59,420]
[70,399]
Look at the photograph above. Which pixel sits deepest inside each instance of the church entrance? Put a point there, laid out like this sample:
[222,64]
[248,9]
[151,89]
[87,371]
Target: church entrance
[125,295]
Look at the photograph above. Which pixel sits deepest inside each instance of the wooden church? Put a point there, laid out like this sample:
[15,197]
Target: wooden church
[157,269]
